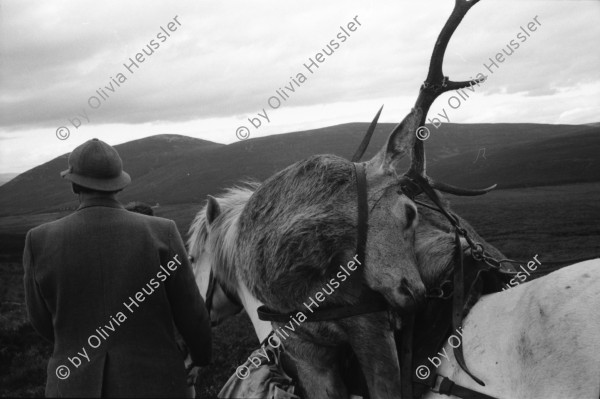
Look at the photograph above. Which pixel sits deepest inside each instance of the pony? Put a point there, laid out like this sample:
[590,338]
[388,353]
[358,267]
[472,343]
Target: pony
[293,237]
[325,212]
[212,244]
[225,302]
[537,340]
[300,226]
[505,335]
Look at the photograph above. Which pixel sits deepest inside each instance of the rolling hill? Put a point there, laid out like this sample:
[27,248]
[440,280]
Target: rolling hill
[6,177]
[171,169]
[42,189]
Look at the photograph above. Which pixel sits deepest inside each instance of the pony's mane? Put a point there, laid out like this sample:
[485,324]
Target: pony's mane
[231,202]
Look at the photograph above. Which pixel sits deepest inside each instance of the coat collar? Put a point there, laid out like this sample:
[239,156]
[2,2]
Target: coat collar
[100,201]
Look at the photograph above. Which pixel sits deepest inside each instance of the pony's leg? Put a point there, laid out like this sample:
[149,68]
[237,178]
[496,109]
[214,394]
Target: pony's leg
[317,366]
[372,340]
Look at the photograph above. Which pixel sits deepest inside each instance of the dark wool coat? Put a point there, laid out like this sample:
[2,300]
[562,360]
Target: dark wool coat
[105,286]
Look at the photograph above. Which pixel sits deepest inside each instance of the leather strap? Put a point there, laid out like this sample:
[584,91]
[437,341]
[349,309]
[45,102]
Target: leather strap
[448,387]
[363,211]
[210,292]
[231,297]
[458,303]
[405,347]
[325,314]
[458,300]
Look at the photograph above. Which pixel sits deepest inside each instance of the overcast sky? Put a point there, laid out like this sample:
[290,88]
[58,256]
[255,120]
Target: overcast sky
[223,61]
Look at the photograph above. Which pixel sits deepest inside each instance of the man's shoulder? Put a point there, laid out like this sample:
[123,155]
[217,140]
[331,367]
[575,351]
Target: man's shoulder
[150,220]
[153,222]
[51,226]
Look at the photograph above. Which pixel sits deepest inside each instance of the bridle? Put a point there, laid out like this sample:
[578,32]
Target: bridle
[413,185]
[453,287]
[210,293]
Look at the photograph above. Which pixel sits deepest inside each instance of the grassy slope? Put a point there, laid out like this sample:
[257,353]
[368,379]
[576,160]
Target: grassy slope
[555,222]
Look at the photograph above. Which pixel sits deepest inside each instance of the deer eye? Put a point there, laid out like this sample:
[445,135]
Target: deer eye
[411,216]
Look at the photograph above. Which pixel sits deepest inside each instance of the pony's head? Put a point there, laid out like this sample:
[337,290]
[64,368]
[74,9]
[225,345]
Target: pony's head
[216,280]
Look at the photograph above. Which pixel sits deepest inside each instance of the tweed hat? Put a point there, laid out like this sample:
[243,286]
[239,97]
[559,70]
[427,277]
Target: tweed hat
[98,166]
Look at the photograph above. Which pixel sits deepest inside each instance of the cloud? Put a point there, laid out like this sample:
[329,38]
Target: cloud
[226,60]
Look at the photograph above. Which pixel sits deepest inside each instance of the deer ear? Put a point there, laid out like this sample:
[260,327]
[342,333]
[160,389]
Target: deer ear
[399,144]
[213,209]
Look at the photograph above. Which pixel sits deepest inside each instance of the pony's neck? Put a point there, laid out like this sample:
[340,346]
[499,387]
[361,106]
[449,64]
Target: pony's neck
[262,328]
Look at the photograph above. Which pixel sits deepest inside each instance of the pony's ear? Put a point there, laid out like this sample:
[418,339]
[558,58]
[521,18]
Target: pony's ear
[212,209]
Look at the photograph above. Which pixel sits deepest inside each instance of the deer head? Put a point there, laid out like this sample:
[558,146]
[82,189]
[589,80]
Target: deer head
[384,170]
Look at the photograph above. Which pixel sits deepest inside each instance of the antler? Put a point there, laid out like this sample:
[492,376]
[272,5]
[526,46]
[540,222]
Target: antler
[404,136]
[436,84]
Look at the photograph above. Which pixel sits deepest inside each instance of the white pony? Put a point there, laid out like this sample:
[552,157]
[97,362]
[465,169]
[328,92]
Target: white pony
[540,339]
[230,203]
